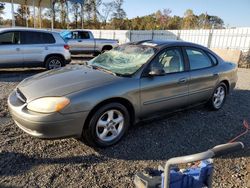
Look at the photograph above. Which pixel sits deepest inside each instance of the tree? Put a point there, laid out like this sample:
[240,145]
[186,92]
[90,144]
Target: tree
[21,15]
[190,21]
[1,11]
[108,9]
[162,18]
[63,13]
[118,15]
[175,23]
[208,21]
[76,13]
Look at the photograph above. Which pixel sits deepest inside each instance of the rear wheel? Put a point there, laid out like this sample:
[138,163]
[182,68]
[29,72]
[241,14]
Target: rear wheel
[107,125]
[54,62]
[218,98]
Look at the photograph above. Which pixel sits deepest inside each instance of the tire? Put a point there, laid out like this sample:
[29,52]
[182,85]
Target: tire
[100,132]
[96,54]
[218,97]
[54,62]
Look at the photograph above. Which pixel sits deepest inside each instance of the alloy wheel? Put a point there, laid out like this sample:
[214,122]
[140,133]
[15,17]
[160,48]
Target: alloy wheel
[110,125]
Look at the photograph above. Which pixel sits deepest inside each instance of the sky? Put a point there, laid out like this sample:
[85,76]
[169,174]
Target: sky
[235,13]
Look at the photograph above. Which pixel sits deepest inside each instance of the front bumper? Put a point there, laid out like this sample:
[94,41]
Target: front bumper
[48,126]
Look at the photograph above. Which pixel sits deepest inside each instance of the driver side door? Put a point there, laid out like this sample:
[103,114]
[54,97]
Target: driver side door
[168,90]
[81,42]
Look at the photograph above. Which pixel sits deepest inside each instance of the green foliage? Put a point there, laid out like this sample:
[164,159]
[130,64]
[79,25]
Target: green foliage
[95,14]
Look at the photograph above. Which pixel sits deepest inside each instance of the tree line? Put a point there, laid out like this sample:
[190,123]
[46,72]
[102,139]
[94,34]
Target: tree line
[95,14]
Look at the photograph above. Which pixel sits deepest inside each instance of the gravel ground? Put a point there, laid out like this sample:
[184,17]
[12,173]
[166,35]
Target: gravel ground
[30,162]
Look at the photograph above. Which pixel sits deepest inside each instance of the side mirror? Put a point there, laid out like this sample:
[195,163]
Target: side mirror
[156,71]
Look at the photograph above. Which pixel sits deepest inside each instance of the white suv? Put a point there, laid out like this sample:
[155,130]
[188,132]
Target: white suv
[23,47]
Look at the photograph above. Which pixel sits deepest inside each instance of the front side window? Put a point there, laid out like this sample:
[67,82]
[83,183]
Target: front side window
[9,38]
[170,61]
[124,59]
[198,59]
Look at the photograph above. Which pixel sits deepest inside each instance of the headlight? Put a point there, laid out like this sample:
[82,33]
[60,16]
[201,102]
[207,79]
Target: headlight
[48,104]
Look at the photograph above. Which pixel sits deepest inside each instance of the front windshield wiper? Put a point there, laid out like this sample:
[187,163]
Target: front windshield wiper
[123,75]
[102,69]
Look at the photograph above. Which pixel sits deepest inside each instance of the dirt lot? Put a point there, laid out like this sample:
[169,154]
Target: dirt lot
[31,162]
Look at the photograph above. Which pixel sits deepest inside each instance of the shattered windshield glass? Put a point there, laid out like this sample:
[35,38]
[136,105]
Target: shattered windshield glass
[123,60]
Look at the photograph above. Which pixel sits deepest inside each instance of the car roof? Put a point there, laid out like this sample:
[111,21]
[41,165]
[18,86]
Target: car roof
[160,44]
[24,29]
[165,43]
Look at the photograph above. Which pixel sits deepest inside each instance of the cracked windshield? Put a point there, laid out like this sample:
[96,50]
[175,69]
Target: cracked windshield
[123,60]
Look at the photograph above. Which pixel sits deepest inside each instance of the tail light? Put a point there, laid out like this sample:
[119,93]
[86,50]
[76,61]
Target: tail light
[66,47]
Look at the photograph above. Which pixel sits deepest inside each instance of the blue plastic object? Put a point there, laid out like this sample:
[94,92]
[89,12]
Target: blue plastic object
[195,177]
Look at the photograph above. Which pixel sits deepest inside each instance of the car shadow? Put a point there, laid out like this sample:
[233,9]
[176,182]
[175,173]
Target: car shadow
[24,163]
[186,132]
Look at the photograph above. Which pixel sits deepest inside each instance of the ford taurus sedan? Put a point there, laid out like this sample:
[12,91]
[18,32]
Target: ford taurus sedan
[98,102]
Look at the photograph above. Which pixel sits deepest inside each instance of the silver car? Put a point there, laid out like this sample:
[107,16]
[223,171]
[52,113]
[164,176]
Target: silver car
[22,47]
[83,42]
[99,102]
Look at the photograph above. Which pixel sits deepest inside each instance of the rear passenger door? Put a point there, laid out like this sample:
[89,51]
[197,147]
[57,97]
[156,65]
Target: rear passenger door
[10,55]
[35,47]
[203,74]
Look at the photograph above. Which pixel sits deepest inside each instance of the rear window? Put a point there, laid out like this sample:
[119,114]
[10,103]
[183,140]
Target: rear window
[31,37]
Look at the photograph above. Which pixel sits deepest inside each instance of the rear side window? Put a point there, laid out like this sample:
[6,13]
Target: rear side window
[10,38]
[214,60]
[83,35]
[31,37]
[198,59]
[48,38]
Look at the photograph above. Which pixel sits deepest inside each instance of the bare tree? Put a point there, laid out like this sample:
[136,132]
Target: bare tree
[1,11]
[108,9]
[76,13]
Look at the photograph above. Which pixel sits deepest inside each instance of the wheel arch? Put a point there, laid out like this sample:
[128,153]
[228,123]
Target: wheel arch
[123,101]
[51,55]
[226,82]
[107,46]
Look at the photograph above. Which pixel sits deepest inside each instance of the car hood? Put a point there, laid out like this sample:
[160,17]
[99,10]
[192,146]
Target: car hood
[63,81]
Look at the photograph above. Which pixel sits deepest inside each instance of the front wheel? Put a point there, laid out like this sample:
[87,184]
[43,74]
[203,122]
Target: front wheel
[218,98]
[107,125]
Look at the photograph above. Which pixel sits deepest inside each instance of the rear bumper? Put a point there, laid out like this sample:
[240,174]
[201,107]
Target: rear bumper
[47,126]
[67,61]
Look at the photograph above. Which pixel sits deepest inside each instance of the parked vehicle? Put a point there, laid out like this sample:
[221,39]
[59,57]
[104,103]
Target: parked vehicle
[99,102]
[22,47]
[83,42]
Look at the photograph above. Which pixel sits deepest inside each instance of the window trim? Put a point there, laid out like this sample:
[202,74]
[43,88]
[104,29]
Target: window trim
[203,52]
[147,68]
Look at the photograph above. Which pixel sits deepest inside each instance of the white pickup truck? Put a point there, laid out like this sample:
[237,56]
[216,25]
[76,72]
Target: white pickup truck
[83,42]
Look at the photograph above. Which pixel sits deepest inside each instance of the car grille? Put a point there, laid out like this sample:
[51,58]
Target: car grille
[20,96]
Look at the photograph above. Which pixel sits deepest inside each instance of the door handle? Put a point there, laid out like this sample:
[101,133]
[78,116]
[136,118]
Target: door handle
[17,49]
[182,80]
